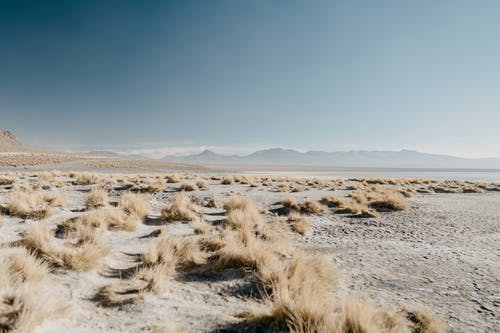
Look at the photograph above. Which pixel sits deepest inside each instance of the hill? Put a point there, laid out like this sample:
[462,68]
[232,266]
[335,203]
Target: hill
[9,142]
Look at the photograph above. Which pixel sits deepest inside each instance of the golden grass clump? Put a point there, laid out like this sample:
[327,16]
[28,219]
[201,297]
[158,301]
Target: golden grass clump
[135,204]
[298,188]
[158,263]
[55,199]
[85,178]
[78,254]
[227,180]
[240,203]
[422,321]
[181,209]
[174,178]
[388,200]
[357,315]
[202,185]
[157,185]
[249,243]
[333,201]
[290,202]
[47,179]
[149,186]
[201,226]
[110,218]
[7,181]
[298,222]
[283,187]
[188,186]
[213,202]
[313,207]
[29,205]
[241,249]
[26,300]
[242,211]
[97,198]
[299,294]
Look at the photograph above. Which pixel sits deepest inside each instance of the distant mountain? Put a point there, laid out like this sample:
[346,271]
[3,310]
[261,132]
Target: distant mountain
[9,142]
[205,157]
[112,154]
[382,159]
[103,153]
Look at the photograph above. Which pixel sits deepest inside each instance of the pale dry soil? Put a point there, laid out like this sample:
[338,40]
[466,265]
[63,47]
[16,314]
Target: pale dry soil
[443,254]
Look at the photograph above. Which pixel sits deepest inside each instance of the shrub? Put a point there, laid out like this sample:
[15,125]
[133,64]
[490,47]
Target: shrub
[227,180]
[181,208]
[299,223]
[135,204]
[98,197]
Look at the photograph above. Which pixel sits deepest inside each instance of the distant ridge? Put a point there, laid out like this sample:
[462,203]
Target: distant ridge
[9,142]
[362,158]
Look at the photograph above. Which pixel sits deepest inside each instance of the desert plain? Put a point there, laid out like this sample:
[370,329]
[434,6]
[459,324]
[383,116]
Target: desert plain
[109,248]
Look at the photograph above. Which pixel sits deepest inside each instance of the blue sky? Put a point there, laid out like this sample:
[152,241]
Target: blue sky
[234,76]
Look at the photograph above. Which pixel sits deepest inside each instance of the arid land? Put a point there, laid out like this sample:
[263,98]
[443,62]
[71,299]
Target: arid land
[195,250]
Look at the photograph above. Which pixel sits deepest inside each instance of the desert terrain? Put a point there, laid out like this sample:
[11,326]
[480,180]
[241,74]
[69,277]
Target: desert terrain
[199,251]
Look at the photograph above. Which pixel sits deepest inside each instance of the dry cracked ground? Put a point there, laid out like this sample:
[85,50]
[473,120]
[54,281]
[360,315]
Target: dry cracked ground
[311,255]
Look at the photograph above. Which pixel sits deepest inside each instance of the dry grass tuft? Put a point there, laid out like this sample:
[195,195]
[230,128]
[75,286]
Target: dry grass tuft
[97,198]
[357,316]
[135,204]
[181,209]
[388,200]
[29,205]
[188,186]
[85,178]
[298,188]
[299,293]
[174,178]
[290,202]
[242,250]
[55,199]
[201,226]
[110,218]
[80,255]
[227,180]
[26,300]
[242,212]
[283,187]
[422,321]
[213,202]
[313,207]
[149,186]
[299,223]
[202,185]
[333,201]
[7,181]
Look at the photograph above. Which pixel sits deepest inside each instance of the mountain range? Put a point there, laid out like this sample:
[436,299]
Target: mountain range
[383,159]
[289,157]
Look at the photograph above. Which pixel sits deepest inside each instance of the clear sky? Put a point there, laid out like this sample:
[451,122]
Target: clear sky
[242,75]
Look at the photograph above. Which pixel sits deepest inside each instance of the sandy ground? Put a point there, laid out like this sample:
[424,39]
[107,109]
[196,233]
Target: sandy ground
[443,254]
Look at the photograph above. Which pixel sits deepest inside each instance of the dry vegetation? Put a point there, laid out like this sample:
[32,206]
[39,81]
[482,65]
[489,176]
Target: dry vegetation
[297,291]
[26,298]
[181,208]
[32,205]
[98,197]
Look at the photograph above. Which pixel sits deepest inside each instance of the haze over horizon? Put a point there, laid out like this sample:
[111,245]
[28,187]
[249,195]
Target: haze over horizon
[235,77]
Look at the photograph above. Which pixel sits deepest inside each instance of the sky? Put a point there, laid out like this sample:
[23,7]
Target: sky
[236,76]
